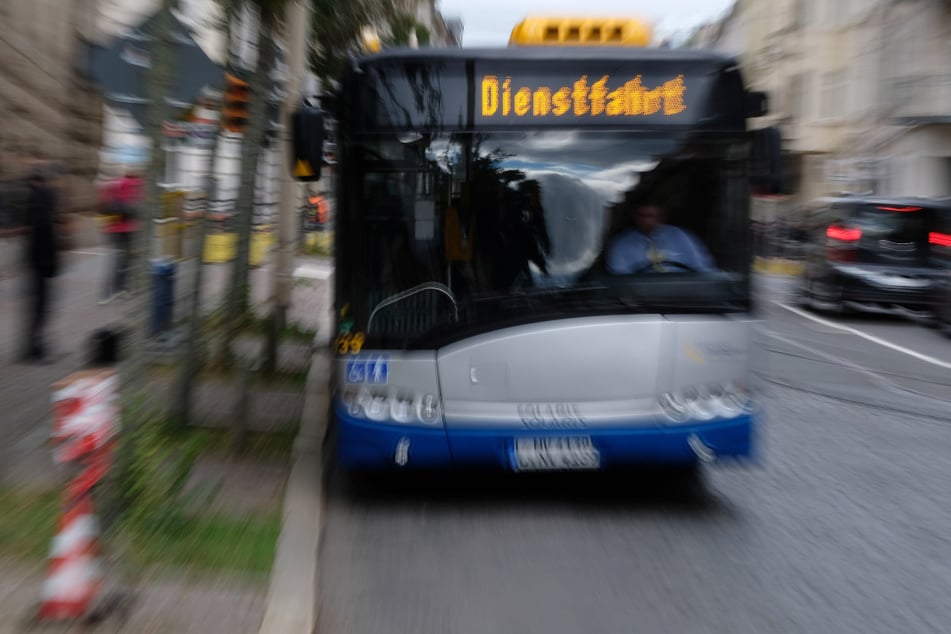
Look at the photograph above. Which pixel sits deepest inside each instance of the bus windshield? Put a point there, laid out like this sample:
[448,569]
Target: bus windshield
[452,234]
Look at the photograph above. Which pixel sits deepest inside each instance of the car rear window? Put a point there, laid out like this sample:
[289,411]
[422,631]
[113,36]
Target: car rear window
[896,223]
[891,234]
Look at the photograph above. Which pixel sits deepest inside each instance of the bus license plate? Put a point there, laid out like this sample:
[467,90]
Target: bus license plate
[555,454]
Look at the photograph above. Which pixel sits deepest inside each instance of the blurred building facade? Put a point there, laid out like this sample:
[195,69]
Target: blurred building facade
[52,110]
[860,89]
[49,109]
[188,137]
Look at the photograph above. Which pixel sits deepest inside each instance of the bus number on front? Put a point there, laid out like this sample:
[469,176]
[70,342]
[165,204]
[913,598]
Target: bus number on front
[349,343]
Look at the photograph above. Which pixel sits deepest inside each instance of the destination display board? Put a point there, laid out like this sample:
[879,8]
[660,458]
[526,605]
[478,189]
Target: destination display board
[501,93]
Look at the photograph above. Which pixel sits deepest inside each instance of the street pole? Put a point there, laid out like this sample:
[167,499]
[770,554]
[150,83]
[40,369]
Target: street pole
[298,23]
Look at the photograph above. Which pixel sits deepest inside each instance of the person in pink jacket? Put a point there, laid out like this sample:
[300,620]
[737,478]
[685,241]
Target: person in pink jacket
[121,198]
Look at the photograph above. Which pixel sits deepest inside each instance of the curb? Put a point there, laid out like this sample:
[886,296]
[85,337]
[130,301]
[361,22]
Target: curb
[292,593]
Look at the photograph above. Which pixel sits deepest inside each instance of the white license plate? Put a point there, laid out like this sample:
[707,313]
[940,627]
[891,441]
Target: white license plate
[556,454]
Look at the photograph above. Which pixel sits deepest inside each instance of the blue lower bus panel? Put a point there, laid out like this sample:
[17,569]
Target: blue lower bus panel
[363,444]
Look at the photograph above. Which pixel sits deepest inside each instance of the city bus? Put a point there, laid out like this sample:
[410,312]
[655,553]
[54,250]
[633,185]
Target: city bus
[499,302]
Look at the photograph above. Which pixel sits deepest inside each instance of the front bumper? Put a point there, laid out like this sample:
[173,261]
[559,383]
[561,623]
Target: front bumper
[365,445]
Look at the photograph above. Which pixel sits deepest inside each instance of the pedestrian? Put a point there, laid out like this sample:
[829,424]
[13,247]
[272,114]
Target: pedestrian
[42,260]
[12,224]
[120,199]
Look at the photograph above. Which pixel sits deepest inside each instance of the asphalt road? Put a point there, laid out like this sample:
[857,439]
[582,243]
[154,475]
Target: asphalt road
[842,525]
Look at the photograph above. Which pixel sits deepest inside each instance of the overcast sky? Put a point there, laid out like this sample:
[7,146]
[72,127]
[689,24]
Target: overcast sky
[489,22]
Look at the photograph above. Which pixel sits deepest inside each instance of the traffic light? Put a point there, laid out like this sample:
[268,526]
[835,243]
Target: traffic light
[766,161]
[234,104]
[307,148]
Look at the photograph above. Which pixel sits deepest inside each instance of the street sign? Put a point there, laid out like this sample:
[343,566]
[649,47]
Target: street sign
[195,134]
[121,69]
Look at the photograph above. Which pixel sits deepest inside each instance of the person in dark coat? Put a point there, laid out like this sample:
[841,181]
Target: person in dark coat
[42,260]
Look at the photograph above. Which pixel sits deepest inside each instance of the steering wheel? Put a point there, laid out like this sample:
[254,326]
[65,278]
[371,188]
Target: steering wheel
[680,265]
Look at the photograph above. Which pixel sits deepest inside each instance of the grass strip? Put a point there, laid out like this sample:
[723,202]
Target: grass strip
[193,541]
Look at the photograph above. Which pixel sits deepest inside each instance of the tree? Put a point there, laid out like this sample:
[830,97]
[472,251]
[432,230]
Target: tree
[402,25]
[335,34]
[191,353]
[270,15]
[336,31]
[133,368]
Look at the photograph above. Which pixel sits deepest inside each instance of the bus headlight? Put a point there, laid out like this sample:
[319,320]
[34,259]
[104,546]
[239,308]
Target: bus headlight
[673,408]
[739,396]
[706,403]
[700,404]
[355,401]
[427,408]
[392,407]
[401,409]
[377,409]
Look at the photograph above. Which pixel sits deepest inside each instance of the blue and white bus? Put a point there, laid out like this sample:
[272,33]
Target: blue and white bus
[498,305]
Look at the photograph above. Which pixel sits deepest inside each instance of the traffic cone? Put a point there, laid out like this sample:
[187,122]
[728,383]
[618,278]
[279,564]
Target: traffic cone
[74,579]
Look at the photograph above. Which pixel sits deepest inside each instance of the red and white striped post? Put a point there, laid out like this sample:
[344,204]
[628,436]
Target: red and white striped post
[85,426]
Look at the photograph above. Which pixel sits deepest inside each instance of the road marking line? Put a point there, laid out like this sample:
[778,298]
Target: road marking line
[858,368]
[882,342]
[869,373]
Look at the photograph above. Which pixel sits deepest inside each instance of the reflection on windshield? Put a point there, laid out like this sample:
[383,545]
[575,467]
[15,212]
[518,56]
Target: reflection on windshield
[490,216]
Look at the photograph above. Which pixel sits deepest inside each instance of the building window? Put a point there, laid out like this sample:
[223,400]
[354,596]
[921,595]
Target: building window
[864,86]
[801,13]
[837,13]
[833,95]
[795,99]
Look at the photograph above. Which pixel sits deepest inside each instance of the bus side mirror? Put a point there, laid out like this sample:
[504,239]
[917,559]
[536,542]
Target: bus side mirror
[307,143]
[757,104]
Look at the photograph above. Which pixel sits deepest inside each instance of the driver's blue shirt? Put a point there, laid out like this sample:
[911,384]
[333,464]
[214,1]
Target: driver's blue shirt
[666,247]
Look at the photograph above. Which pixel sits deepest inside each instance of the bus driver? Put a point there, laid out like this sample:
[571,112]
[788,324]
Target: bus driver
[652,245]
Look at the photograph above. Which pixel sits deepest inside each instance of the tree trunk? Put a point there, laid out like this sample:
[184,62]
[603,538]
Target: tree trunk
[259,86]
[297,24]
[133,368]
[191,353]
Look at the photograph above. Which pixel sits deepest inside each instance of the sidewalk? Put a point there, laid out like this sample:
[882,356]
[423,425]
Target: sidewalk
[75,314]
[167,604]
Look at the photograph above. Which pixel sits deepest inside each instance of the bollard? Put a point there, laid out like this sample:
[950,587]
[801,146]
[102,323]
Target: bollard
[85,426]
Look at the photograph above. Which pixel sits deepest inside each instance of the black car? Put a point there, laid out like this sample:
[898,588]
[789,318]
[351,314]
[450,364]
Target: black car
[939,242]
[872,254]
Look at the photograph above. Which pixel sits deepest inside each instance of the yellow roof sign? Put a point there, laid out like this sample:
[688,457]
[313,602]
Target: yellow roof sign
[580,31]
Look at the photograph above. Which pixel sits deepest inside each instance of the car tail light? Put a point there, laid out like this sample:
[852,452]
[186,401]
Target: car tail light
[843,234]
[841,243]
[900,209]
[940,239]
